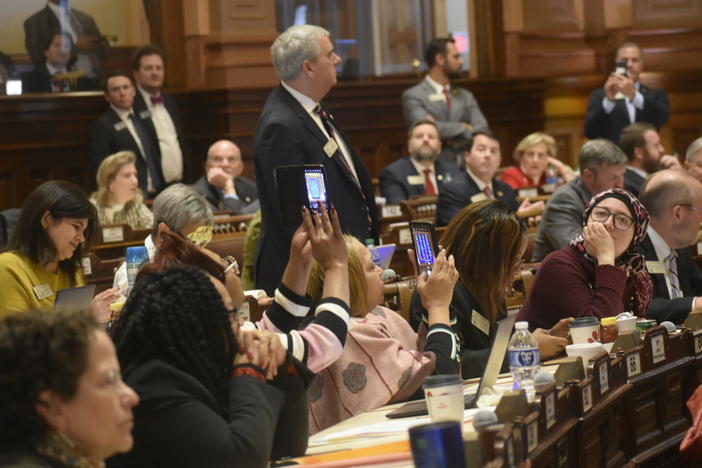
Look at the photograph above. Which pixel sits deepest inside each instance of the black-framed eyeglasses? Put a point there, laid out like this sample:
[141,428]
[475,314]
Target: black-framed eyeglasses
[601,214]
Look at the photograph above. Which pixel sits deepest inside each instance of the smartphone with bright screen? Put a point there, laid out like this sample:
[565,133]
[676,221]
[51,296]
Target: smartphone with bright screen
[316,190]
[423,239]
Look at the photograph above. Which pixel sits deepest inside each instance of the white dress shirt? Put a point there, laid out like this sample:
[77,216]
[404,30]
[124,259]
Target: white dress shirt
[631,106]
[124,116]
[432,174]
[171,155]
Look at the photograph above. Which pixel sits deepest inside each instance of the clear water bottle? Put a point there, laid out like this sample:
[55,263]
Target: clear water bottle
[524,357]
[552,176]
[136,257]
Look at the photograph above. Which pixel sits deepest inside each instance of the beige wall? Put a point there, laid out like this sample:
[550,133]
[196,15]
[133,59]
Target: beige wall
[122,18]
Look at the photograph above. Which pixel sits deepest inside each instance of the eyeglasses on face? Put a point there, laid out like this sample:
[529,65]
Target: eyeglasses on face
[601,215]
[230,264]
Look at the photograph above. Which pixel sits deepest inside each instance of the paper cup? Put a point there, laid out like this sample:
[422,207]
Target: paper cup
[586,351]
[444,397]
[585,330]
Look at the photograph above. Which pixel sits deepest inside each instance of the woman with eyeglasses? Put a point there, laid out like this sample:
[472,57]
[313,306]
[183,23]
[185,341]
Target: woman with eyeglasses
[600,273]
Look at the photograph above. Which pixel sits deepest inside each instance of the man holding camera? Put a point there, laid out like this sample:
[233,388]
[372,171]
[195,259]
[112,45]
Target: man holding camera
[624,100]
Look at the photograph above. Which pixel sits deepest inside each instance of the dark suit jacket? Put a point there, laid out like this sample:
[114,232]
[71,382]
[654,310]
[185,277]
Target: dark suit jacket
[247,202]
[171,106]
[633,182]
[456,195]
[599,124]
[178,422]
[395,186]
[662,307]
[475,345]
[287,135]
[109,135]
[44,23]
[39,81]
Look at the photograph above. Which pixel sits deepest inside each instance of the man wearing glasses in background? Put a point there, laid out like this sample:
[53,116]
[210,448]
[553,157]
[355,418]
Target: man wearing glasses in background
[673,199]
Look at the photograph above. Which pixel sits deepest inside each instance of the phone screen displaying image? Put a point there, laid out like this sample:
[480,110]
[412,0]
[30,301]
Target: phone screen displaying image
[620,68]
[316,190]
[422,237]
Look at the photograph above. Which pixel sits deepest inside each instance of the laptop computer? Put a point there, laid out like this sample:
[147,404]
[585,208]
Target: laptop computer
[385,253]
[488,379]
[74,298]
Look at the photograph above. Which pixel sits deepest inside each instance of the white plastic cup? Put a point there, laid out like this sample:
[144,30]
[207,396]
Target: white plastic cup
[625,325]
[444,397]
[586,351]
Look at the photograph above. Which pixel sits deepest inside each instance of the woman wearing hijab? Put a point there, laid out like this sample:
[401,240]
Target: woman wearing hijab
[600,273]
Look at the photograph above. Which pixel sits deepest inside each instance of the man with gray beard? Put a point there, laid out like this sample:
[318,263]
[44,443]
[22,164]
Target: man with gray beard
[420,173]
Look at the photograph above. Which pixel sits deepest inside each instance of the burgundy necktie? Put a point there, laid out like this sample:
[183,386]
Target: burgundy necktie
[447,93]
[488,192]
[157,99]
[428,184]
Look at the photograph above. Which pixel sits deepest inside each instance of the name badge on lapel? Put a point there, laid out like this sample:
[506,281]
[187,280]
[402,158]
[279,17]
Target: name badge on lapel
[119,126]
[42,291]
[436,97]
[655,268]
[330,147]
[480,322]
[415,180]
[478,197]
[145,114]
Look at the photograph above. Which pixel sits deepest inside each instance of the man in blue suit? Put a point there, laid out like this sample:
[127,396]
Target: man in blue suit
[477,182]
[420,173]
[623,100]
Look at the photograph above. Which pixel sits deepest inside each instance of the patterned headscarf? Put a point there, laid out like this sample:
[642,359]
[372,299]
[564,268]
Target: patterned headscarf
[632,261]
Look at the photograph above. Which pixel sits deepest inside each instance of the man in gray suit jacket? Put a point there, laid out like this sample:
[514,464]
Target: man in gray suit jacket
[454,109]
[601,168]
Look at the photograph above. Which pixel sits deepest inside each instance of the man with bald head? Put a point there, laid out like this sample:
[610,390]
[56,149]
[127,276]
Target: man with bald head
[222,184]
[673,199]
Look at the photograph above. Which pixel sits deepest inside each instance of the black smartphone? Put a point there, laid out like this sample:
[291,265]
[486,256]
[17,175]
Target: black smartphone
[620,68]
[300,185]
[424,240]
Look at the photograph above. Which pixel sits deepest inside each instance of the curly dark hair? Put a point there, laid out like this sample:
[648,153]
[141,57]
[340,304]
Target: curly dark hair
[39,350]
[178,316]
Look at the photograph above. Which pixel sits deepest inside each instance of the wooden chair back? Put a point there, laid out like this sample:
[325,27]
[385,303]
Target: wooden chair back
[229,244]
[398,296]
[99,271]
[420,208]
[230,224]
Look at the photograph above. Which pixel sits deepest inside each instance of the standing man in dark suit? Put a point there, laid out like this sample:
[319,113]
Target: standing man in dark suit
[222,184]
[642,146]
[624,100]
[454,109]
[419,173]
[477,182]
[120,128]
[88,41]
[161,108]
[673,199]
[295,128]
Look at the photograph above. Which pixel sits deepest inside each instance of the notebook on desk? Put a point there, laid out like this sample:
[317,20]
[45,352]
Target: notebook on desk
[488,379]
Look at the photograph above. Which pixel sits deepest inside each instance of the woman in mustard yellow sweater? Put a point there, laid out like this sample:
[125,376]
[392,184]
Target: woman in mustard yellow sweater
[46,249]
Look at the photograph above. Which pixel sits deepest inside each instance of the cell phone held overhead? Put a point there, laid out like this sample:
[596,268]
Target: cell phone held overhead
[298,186]
[424,241]
[620,68]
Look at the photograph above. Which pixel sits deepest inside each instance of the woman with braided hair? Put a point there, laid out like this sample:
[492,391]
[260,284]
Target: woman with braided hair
[205,400]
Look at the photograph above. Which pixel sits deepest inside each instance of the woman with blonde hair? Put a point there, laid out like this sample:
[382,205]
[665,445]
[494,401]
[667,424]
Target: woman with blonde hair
[533,155]
[383,361]
[118,198]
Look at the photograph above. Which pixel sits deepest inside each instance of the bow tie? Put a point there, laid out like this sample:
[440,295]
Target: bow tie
[157,99]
